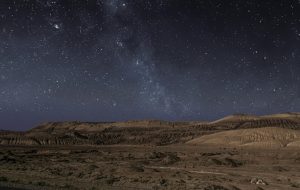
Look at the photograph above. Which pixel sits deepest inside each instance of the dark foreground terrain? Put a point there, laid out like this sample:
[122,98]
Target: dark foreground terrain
[148,167]
[236,152]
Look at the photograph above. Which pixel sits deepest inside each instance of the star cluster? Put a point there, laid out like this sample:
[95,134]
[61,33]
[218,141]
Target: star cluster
[102,60]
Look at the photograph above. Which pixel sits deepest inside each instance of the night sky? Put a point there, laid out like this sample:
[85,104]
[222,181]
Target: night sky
[105,60]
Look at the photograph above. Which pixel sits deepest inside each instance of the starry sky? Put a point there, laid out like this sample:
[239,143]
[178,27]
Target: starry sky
[112,60]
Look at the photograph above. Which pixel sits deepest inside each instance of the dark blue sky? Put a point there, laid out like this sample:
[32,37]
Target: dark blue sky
[103,60]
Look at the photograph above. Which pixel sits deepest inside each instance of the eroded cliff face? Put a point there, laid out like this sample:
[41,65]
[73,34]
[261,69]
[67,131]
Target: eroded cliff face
[140,132]
[102,134]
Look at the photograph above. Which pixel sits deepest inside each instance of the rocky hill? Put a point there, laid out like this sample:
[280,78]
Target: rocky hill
[153,132]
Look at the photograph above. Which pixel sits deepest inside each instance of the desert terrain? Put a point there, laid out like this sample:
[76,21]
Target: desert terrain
[236,152]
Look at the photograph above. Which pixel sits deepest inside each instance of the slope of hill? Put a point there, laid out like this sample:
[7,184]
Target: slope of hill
[236,118]
[107,133]
[269,137]
[242,121]
[142,132]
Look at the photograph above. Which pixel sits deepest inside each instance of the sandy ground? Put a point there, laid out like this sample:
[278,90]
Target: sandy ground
[149,167]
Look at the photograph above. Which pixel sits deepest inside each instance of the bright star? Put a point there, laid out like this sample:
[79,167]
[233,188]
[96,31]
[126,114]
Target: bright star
[56,26]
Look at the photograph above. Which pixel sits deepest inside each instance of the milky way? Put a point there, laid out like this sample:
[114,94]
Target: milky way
[104,60]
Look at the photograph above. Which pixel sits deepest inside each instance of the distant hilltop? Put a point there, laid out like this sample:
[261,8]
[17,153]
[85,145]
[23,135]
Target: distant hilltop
[157,132]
